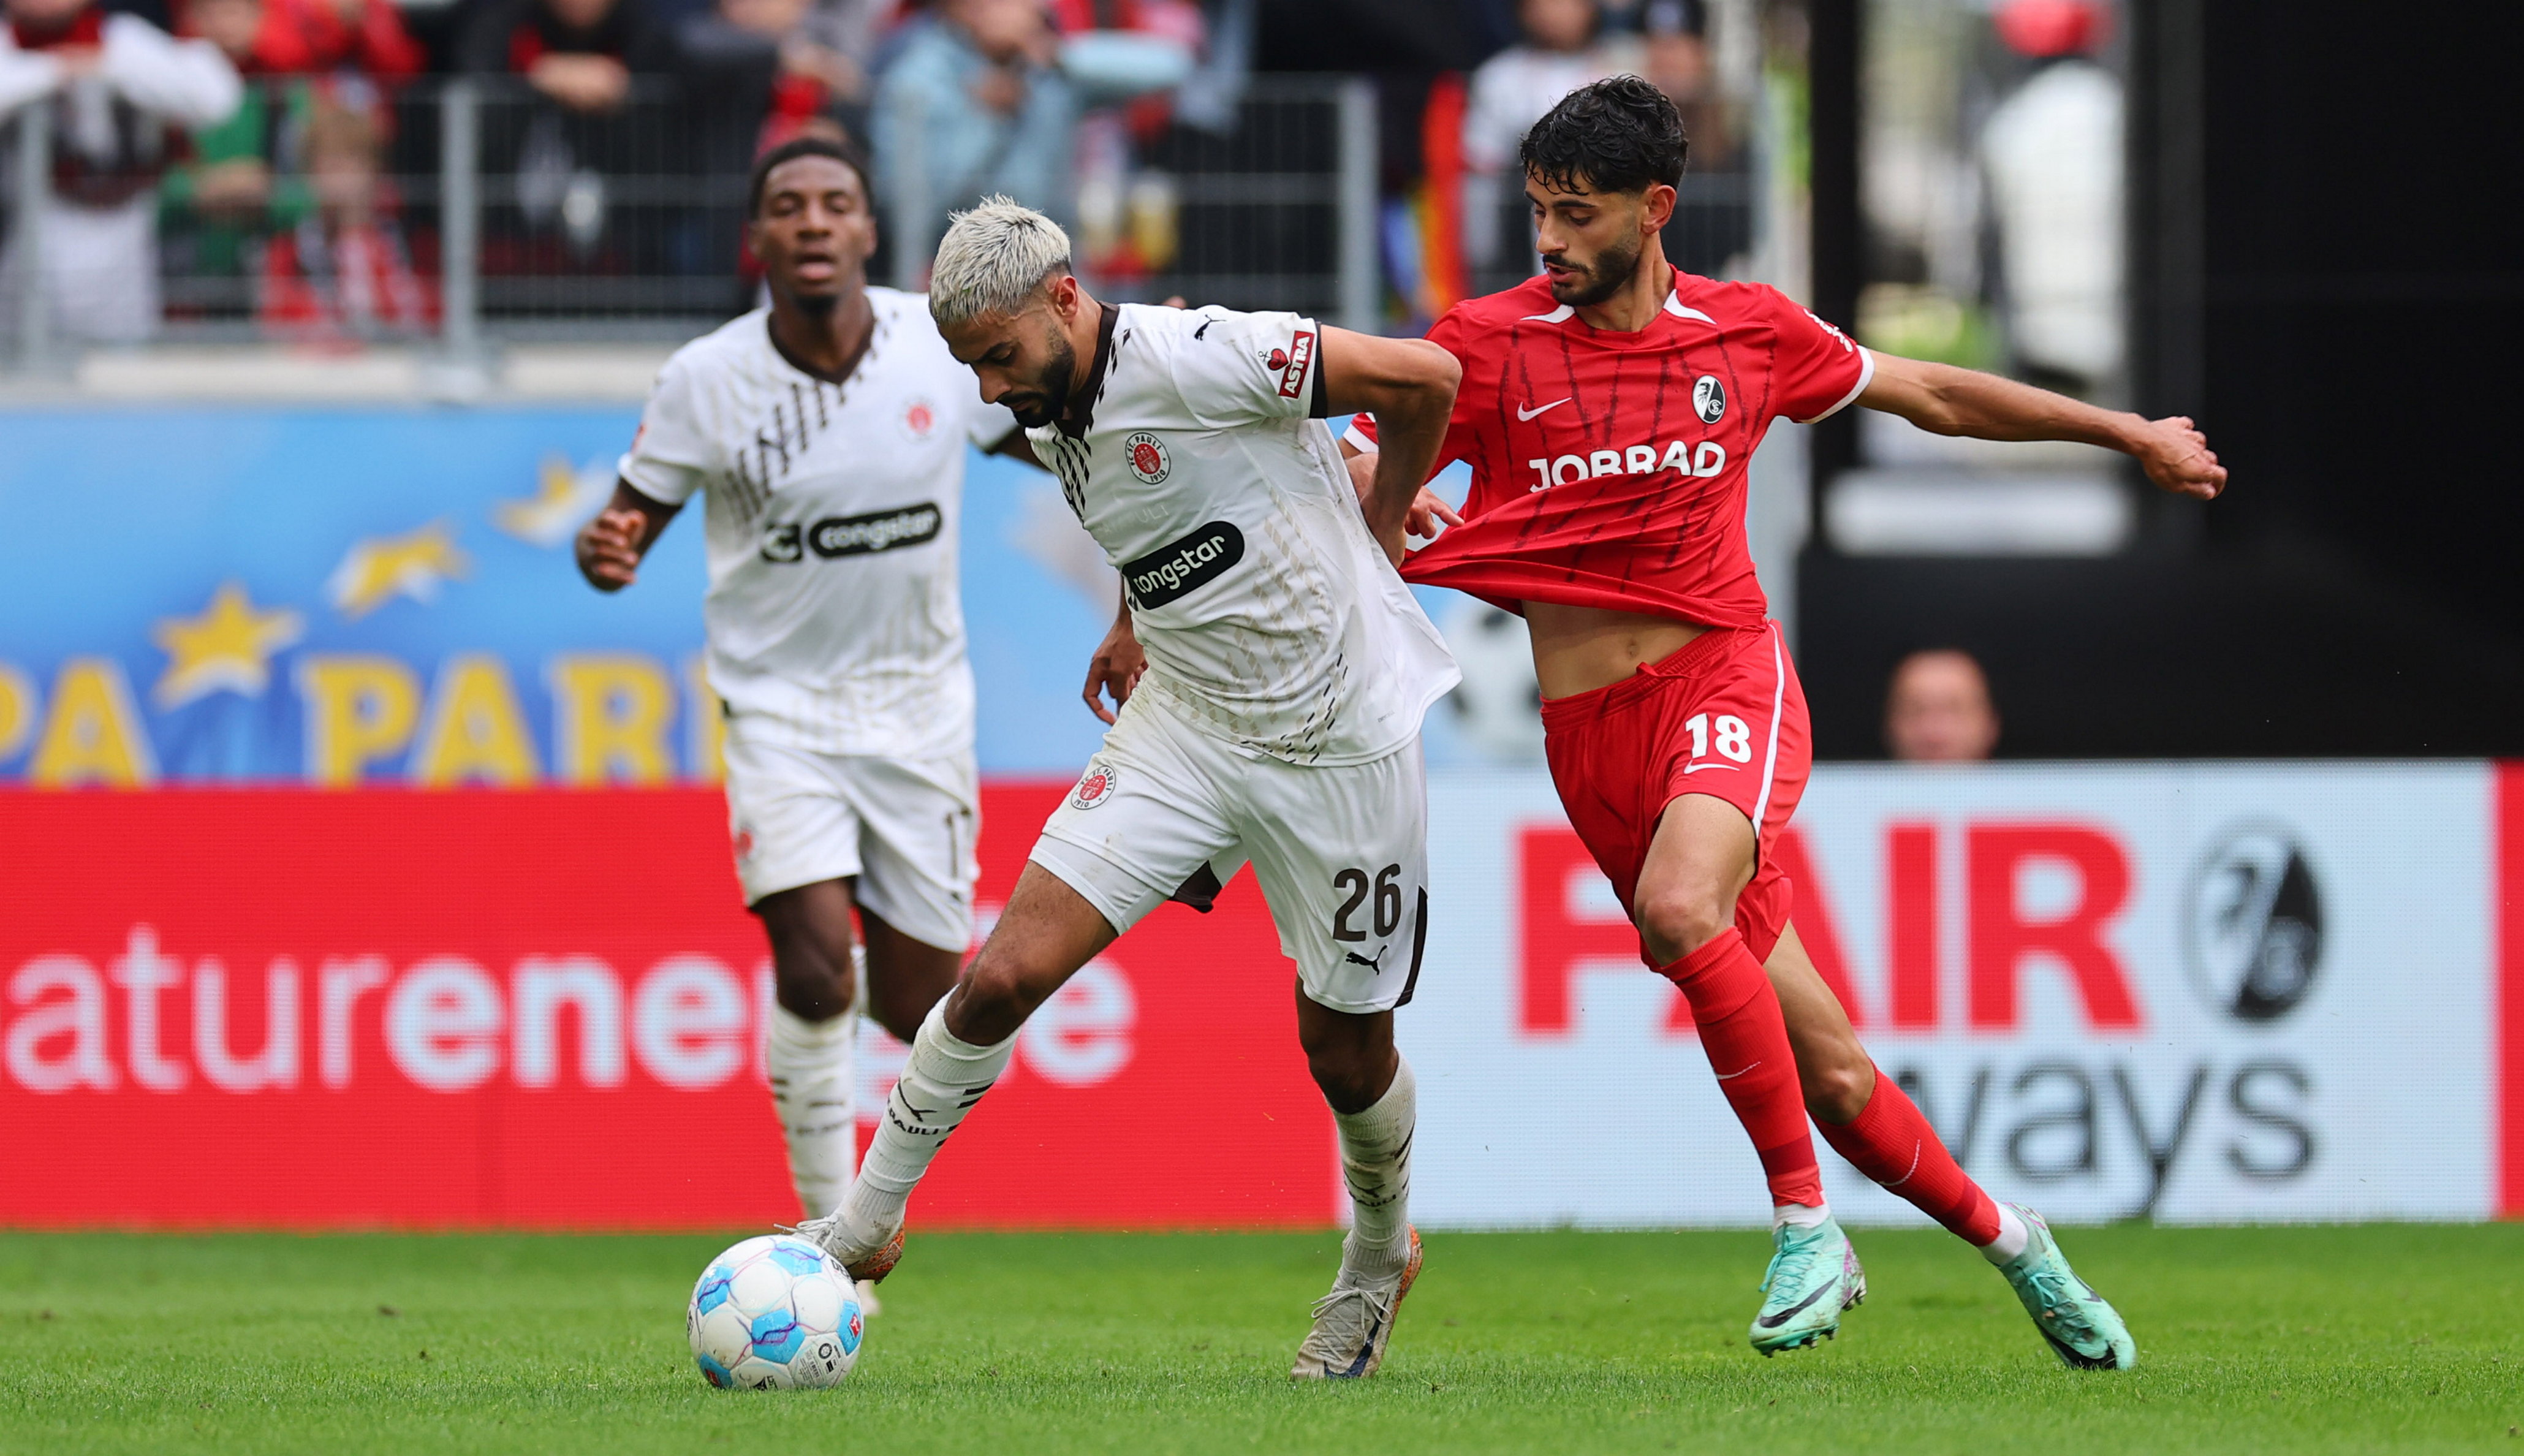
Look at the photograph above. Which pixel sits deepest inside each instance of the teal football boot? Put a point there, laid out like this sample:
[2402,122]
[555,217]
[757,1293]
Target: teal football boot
[1813,1276]
[2084,1331]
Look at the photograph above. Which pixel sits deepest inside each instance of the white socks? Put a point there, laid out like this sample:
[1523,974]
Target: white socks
[941,1080]
[2012,1238]
[1799,1215]
[1376,1163]
[812,1087]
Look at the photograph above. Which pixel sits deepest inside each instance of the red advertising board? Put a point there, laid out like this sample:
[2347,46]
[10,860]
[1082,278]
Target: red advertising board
[542,1009]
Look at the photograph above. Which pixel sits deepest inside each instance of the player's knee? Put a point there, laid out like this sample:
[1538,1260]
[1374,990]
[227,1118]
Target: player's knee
[993,999]
[811,979]
[1836,1092]
[1678,921]
[1352,1078]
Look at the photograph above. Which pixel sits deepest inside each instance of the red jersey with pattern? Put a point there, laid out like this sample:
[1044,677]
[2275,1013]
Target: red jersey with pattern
[1609,468]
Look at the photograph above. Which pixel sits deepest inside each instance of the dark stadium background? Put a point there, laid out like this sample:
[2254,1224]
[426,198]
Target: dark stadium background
[2326,275]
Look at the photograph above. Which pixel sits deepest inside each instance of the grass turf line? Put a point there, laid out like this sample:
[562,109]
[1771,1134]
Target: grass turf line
[2367,1339]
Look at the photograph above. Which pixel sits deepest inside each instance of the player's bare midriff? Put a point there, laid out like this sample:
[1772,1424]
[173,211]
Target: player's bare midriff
[1579,649]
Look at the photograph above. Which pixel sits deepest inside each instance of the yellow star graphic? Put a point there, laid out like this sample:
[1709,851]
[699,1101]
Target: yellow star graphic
[564,499]
[228,648]
[413,564]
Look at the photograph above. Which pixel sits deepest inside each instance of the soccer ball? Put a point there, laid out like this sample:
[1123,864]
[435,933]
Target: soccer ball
[775,1313]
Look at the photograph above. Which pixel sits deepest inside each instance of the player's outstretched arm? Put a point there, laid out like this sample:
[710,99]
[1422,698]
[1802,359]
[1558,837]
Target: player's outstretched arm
[1947,400]
[609,547]
[1409,386]
[1117,665]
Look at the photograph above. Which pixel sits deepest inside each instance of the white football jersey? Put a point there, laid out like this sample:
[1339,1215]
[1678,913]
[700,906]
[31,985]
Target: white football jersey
[1271,617]
[834,619]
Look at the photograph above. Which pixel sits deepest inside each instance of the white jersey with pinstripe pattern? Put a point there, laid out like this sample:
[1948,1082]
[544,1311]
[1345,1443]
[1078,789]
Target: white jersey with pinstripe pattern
[833,617]
[1271,619]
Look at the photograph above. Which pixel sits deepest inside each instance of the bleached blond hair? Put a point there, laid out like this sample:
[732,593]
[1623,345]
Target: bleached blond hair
[992,260]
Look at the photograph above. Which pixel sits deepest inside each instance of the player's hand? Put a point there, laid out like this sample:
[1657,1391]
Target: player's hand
[2177,457]
[1430,512]
[609,550]
[1115,670]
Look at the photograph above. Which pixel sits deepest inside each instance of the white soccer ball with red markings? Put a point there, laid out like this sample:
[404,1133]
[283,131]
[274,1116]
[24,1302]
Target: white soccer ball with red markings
[775,1313]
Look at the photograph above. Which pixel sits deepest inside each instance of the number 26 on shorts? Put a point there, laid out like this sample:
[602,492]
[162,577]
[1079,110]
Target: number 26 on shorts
[1734,738]
[1388,910]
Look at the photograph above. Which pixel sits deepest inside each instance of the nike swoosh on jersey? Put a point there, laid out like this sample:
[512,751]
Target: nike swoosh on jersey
[1523,414]
[1690,769]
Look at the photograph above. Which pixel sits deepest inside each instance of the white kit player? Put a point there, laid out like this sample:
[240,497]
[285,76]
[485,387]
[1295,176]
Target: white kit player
[1278,722]
[829,434]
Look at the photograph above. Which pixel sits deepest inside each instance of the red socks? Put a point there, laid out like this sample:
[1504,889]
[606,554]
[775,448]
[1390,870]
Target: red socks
[1890,1140]
[1746,1041]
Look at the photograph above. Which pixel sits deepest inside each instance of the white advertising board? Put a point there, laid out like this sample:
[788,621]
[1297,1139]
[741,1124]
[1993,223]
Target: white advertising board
[2199,993]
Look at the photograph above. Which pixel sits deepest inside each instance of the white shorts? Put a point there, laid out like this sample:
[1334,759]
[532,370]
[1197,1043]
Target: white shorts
[903,828]
[1341,853]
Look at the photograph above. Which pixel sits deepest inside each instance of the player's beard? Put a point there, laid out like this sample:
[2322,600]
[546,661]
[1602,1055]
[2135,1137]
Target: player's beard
[1600,279]
[1048,398]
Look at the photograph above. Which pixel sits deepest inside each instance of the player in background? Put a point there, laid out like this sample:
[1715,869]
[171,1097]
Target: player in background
[1278,722]
[829,433]
[1609,408]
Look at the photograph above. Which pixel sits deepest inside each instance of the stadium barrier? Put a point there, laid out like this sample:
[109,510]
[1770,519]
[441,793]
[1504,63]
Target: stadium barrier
[2193,992]
[487,214]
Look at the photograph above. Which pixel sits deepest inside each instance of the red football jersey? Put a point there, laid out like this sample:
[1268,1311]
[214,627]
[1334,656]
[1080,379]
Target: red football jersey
[1607,468]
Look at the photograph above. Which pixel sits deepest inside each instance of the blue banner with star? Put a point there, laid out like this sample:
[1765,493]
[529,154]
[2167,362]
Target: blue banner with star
[342,597]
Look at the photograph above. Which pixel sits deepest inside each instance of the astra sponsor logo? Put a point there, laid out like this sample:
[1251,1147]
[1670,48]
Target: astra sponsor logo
[854,535]
[1708,457]
[1179,568]
[1301,358]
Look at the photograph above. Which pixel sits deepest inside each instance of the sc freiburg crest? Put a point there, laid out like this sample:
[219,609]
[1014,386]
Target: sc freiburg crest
[1709,399]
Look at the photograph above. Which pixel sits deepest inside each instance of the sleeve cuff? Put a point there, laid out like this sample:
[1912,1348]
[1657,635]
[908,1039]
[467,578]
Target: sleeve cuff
[674,490]
[1358,439]
[1865,376]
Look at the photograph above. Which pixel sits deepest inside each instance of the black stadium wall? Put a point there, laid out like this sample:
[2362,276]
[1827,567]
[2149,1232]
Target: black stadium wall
[2324,273]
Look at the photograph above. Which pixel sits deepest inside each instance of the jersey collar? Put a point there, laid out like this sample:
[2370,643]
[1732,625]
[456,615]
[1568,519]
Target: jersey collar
[1081,415]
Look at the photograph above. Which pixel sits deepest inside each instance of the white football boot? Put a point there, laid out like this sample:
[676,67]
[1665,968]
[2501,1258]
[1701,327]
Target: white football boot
[1353,1323]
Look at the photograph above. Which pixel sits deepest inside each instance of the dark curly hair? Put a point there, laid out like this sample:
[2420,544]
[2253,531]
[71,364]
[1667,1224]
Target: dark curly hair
[811,145]
[1616,135]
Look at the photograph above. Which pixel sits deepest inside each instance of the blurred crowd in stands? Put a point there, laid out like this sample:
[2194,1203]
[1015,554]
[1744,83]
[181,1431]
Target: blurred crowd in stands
[276,161]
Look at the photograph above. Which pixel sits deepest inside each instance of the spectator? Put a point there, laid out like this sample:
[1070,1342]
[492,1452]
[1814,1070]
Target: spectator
[1709,232]
[117,86]
[1940,710]
[2053,153]
[343,271]
[580,56]
[972,105]
[769,71]
[305,37]
[1561,50]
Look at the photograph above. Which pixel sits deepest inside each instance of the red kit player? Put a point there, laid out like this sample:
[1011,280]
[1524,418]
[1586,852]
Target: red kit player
[1608,409]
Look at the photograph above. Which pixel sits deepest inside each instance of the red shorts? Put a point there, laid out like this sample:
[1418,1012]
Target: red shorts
[1725,717]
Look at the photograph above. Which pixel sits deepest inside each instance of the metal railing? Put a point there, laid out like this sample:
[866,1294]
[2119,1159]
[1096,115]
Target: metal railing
[482,213]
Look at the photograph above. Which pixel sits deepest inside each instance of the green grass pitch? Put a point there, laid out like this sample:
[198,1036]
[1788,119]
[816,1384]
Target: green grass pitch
[2385,1338]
